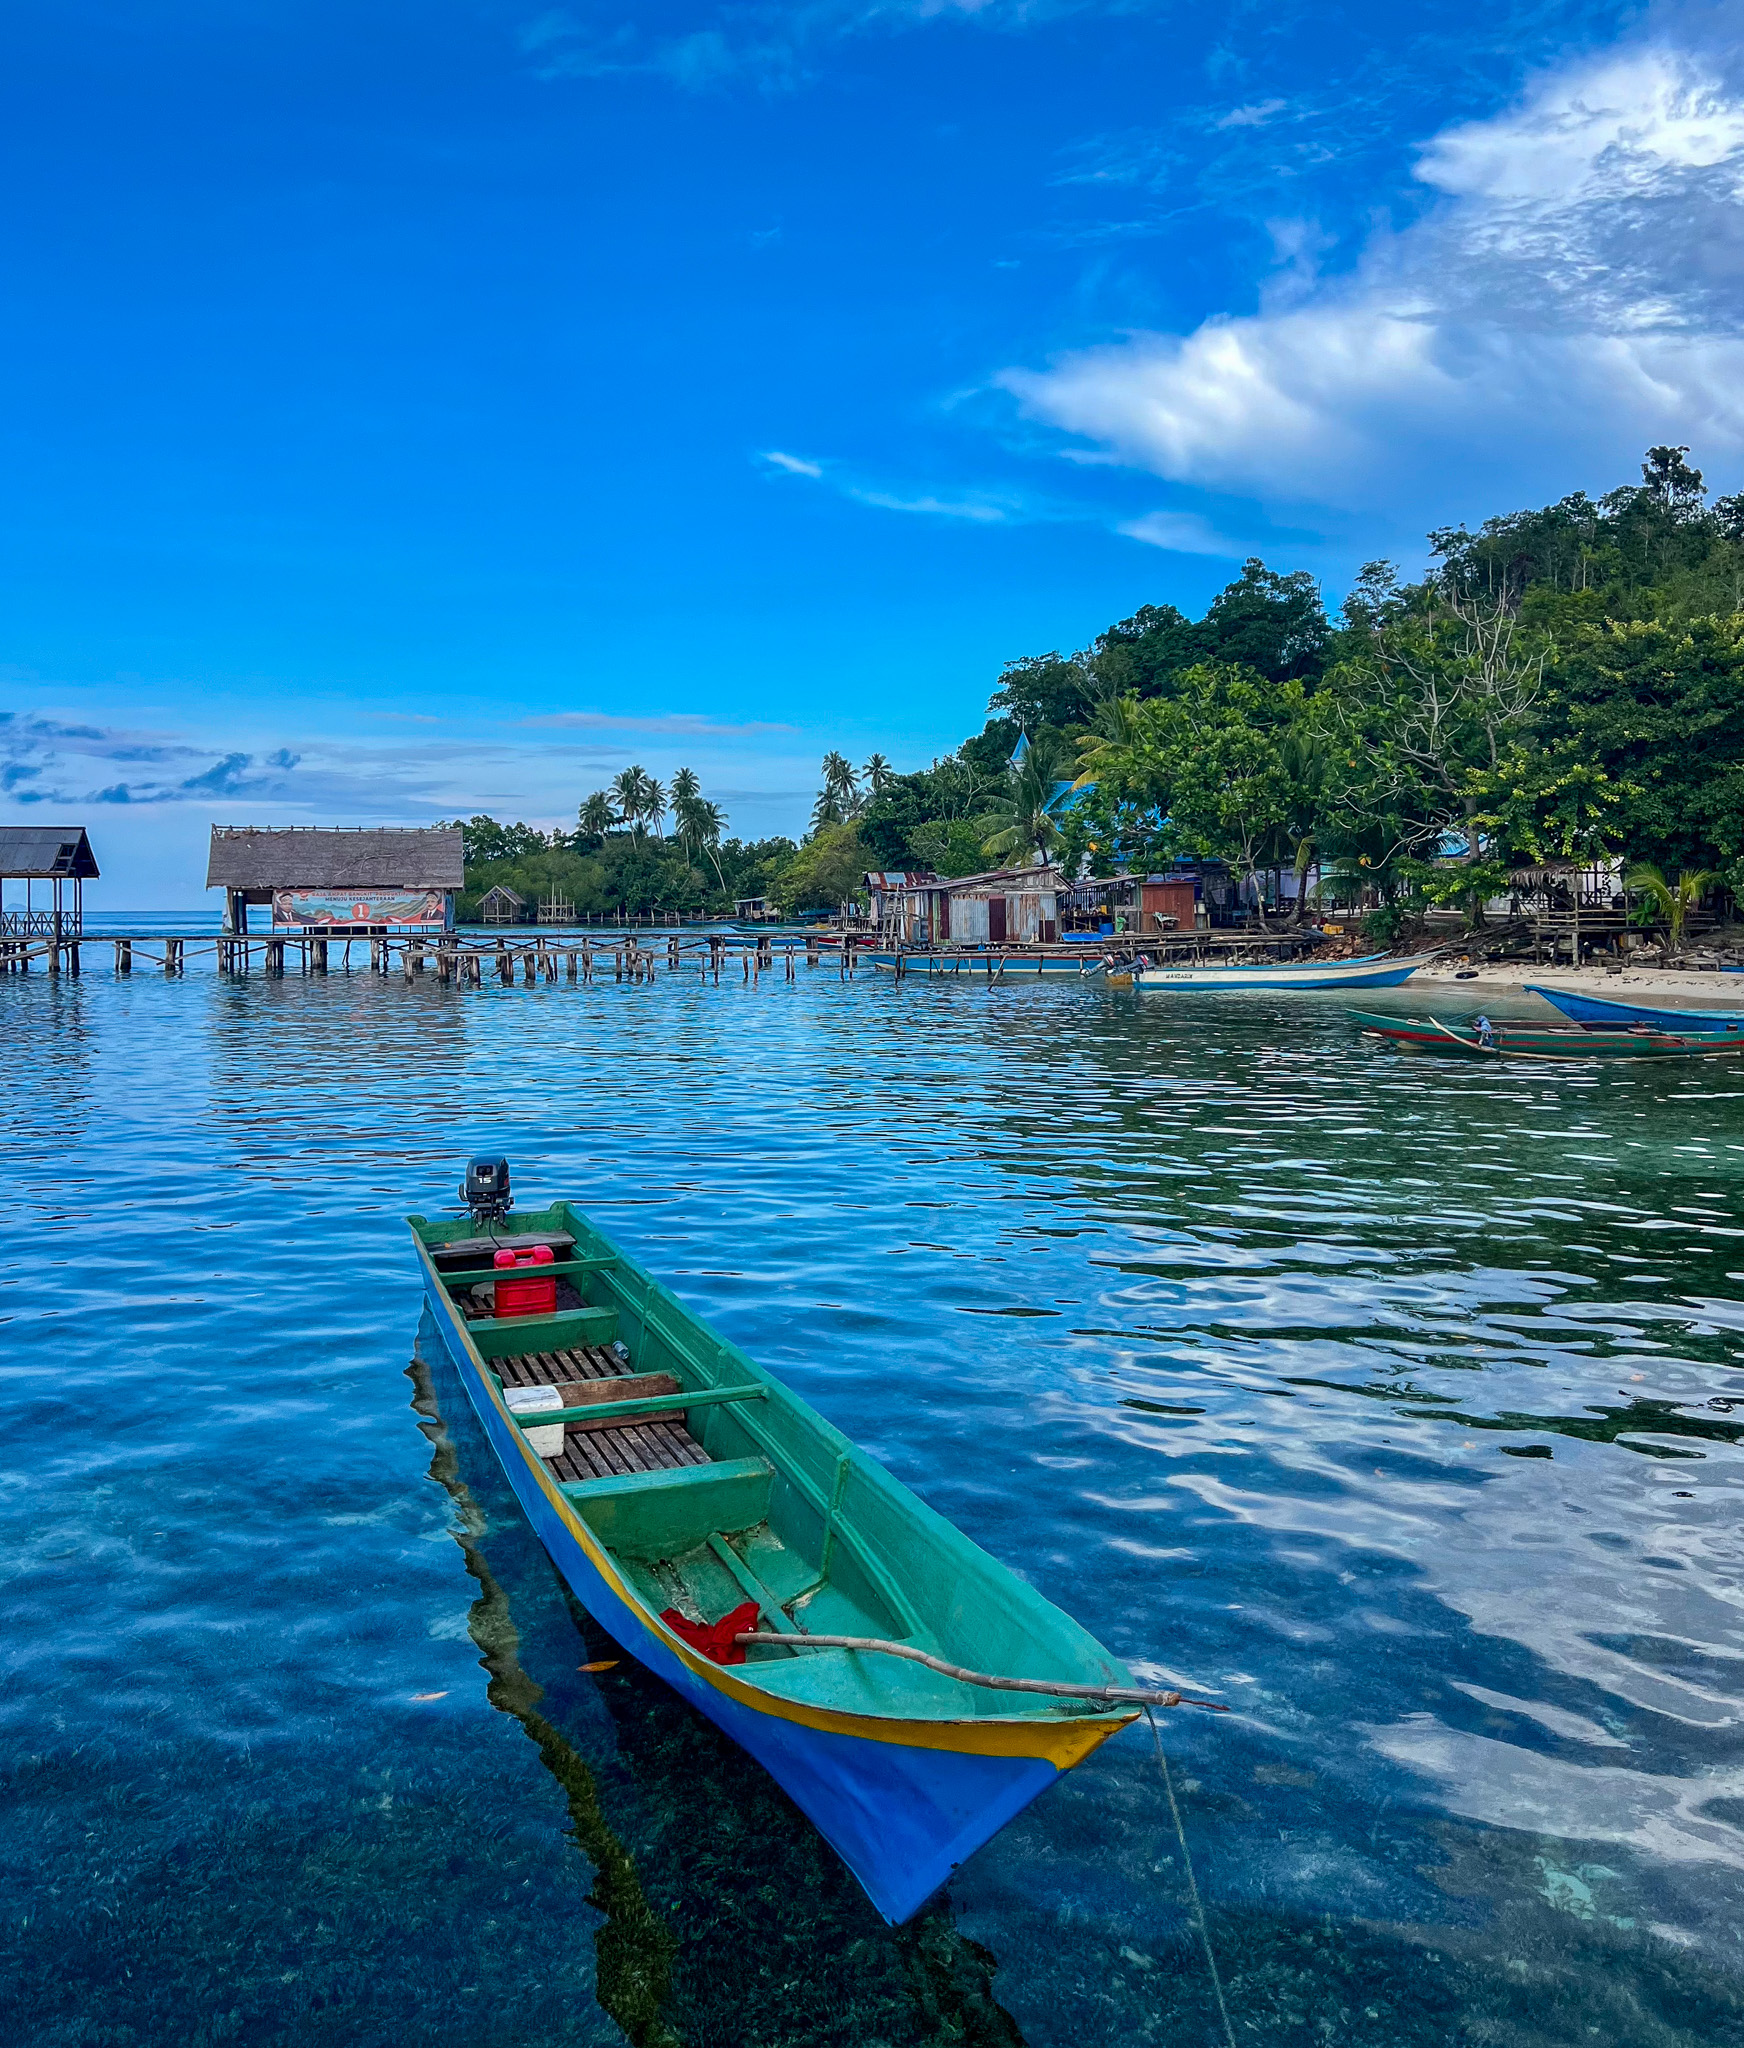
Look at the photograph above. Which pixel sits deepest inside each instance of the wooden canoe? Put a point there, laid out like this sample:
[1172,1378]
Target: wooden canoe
[674,1475]
[1599,1013]
[1540,1042]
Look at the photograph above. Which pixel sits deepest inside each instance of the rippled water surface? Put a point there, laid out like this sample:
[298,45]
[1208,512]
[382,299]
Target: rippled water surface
[1394,1402]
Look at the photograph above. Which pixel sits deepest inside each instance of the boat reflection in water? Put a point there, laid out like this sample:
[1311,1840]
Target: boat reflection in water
[698,1858]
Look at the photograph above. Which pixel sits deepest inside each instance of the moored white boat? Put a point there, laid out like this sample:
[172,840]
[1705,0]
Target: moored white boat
[1374,971]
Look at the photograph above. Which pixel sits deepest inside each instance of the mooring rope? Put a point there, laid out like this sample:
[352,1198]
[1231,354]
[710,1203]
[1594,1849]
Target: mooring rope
[1192,1882]
[1125,1694]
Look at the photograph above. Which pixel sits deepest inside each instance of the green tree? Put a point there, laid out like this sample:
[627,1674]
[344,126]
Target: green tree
[1673,900]
[629,791]
[828,870]
[839,801]
[1021,821]
[596,817]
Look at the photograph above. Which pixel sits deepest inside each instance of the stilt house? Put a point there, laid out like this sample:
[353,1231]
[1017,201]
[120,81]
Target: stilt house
[347,881]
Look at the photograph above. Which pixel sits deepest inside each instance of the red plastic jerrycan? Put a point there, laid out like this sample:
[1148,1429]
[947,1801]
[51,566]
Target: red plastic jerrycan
[536,1295]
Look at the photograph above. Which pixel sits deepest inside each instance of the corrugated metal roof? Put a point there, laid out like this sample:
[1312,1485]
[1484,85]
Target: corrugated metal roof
[1024,879]
[343,857]
[900,878]
[44,851]
[1041,880]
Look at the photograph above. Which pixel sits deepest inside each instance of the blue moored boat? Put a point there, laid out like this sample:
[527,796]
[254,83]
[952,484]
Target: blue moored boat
[907,1691]
[1374,971]
[1597,1013]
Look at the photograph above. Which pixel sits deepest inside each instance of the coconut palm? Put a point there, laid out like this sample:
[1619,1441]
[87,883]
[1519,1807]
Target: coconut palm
[839,800]
[1673,900]
[710,823]
[654,804]
[596,816]
[626,792]
[1113,732]
[690,812]
[1021,822]
[879,775]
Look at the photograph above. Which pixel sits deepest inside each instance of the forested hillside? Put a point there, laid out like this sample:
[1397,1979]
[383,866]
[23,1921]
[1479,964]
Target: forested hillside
[1563,684]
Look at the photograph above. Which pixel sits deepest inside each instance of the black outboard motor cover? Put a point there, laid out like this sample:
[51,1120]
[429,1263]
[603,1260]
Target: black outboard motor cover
[485,1190]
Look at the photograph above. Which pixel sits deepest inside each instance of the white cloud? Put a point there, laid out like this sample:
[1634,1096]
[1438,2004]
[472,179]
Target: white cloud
[795,465]
[1575,293]
[1617,126]
[1255,116]
[1182,533]
[942,508]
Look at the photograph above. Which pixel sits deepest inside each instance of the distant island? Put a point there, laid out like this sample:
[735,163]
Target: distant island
[1564,686]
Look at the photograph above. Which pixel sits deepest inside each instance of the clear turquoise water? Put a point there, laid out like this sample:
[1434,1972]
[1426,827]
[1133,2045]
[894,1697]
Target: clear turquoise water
[1393,1400]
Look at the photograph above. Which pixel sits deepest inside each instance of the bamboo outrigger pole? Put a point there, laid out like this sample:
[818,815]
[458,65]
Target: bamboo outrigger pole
[1125,1693]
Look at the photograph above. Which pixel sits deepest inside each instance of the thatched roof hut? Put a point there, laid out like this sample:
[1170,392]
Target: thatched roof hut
[358,878]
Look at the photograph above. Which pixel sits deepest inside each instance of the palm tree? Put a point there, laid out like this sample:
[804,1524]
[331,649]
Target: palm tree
[839,800]
[879,775]
[1673,900]
[654,804]
[1021,821]
[691,813]
[627,794]
[711,822]
[1113,730]
[596,816]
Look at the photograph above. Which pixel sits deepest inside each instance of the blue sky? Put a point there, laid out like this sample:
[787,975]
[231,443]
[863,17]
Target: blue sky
[410,409]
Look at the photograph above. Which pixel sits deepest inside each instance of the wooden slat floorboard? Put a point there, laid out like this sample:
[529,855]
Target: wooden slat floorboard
[657,1444]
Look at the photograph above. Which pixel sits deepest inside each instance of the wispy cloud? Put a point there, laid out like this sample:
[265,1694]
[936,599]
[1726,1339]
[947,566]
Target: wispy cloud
[665,725]
[1255,116]
[1577,291]
[795,465]
[767,44]
[1181,533]
[980,510]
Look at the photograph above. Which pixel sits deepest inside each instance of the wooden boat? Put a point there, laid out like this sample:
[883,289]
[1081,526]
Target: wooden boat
[1540,1042]
[1599,1013]
[687,1497]
[1376,970]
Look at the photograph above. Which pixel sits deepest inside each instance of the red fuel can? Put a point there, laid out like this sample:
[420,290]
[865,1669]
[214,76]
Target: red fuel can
[536,1295]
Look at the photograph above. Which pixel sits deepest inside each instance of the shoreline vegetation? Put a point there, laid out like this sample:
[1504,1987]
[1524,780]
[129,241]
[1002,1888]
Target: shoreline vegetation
[1564,687]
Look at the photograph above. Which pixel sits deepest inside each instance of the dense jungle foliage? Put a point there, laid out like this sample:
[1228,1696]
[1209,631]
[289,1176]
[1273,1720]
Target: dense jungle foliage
[1564,684]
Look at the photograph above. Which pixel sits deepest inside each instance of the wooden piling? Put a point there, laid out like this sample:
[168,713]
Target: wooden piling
[275,956]
[317,956]
[123,956]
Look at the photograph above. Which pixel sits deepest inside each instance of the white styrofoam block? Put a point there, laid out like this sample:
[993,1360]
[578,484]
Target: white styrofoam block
[547,1443]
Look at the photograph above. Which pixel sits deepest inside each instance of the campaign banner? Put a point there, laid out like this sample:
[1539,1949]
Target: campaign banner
[402,909]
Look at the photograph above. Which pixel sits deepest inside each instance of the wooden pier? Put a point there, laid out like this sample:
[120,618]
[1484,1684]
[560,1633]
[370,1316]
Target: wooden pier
[450,958]
[469,960]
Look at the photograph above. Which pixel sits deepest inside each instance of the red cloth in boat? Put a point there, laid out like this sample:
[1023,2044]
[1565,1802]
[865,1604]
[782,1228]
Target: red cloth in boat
[715,1638]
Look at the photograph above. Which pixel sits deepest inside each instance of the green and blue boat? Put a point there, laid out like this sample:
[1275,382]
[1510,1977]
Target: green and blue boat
[1540,1041]
[712,1522]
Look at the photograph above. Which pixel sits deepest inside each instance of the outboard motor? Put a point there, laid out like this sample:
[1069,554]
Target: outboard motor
[485,1190]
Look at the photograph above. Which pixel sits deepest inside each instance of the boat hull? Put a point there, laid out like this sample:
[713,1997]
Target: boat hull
[1599,1013]
[1553,1042]
[1330,974]
[903,1803]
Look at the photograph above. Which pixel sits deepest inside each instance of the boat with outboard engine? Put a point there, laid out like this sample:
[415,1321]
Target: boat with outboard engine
[908,1691]
[1482,1039]
[1373,970]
